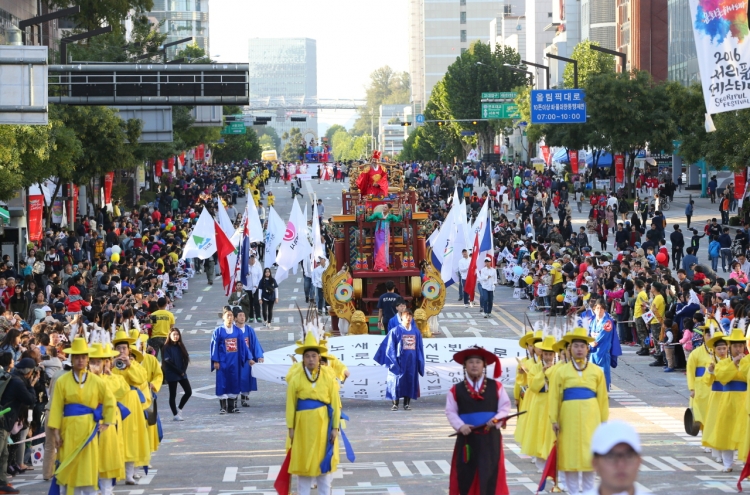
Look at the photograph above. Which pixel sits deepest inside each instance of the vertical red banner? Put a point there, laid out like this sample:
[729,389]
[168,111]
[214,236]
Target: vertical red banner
[496,149]
[545,153]
[573,155]
[170,164]
[181,161]
[109,178]
[74,209]
[158,168]
[36,212]
[620,168]
[200,152]
[740,181]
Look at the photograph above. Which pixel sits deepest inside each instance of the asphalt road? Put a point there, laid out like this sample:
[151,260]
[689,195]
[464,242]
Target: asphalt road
[397,452]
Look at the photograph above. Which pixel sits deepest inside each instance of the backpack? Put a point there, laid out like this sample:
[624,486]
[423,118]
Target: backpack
[99,246]
[5,378]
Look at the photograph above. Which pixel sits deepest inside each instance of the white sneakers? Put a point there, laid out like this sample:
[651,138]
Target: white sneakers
[178,416]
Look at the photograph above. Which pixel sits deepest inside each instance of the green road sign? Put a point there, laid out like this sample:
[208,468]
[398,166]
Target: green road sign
[508,95]
[234,128]
[500,111]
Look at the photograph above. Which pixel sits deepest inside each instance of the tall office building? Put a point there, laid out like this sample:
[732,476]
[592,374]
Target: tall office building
[182,19]
[599,22]
[538,37]
[440,31]
[285,68]
[642,33]
[509,27]
[566,26]
[682,64]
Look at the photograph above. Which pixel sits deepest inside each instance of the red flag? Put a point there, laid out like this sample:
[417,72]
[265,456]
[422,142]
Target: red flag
[223,249]
[550,469]
[284,479]
[744,474]
[471,278]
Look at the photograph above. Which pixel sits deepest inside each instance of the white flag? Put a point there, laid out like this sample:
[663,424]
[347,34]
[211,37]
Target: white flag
[201,242]
[274,234]
[445,240]
[319,248]
[294,246]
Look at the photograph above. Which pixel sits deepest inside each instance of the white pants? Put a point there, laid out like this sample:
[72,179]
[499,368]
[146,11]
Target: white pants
[129,471]
[540,463]
[727,458]
[572,482]
[304,484]
[227,396]
[105,486]
[79,490]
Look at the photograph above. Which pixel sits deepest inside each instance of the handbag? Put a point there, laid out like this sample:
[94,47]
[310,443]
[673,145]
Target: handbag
[151,412]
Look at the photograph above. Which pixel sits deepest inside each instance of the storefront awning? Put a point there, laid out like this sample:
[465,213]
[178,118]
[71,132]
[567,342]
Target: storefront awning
[4,216]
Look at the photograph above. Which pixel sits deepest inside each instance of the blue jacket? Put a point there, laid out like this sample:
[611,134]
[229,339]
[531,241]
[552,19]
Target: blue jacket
[173,364]
[714,250]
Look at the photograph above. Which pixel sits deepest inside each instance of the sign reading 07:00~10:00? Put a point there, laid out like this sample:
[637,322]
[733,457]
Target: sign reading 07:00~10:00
[558,106]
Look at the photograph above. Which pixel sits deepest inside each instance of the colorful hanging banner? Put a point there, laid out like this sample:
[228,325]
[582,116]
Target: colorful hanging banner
[573,156]
[109,178]
[170,164]
[158,168]
[545,153]
[200,152]
[740,182]
[620,168]
[723,47]
[36,212]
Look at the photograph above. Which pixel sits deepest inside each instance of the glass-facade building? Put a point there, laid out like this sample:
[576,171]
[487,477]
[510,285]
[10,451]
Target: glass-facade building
[683,59]
[285,68]
[182,19]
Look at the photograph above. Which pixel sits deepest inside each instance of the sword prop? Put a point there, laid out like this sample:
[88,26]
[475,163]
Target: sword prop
[494,422]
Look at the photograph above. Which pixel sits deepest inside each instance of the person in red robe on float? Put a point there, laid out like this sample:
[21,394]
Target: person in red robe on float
[478,465]
[373,180]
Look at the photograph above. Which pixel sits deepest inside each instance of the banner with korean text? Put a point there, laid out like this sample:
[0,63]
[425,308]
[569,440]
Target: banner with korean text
[722,41]
[545,154]
[109,179]
[36,212]
[573,156]
[620,169]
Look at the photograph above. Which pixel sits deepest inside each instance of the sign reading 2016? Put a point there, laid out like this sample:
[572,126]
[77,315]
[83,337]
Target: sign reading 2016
[558,106]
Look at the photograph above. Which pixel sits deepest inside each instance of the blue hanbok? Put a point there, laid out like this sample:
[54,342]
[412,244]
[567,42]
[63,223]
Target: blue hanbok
[380,355]
[607,348]
[404,357]
[232,356]
[248,382]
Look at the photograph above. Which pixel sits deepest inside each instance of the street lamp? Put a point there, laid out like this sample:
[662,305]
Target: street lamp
[569,60]
[623,56]
[540,66]
[521,71]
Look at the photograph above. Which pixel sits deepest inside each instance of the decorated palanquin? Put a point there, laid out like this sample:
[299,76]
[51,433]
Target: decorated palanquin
[380,236]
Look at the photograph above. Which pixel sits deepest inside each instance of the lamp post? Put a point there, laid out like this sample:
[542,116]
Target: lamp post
[540,66]
[571,61]
[521,71]
[623,56]
[77,37]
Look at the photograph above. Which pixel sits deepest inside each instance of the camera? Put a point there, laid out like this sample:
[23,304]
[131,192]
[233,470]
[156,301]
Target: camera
[120,364]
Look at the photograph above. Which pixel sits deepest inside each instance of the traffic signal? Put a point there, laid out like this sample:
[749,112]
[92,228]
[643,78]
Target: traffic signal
[405,124]
[507,141]
[298,119]
[440,123]
[474,122]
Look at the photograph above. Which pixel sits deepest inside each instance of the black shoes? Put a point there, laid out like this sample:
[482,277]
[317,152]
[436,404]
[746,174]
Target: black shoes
[222,406]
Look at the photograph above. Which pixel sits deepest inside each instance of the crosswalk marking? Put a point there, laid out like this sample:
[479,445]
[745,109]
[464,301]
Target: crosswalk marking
[402,469]
[193,308]
[290,319]
[677,464]
[178,311]
[189,317]
[422,468]
[199,299]
[656,463]
[276,319]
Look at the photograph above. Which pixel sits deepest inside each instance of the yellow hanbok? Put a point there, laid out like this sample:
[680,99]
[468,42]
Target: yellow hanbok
[155,377]
[79,469]
[311,426]
[137,444]
[726,420]
[111,442]
[696,368]
[539,436]
[578,403]
[523,398]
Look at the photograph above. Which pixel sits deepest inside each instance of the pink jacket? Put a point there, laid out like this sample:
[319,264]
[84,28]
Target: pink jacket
[687,340]
[616,294]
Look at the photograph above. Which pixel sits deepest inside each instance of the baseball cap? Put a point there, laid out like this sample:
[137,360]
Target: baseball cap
[613,433]
[26,364]
[47,308]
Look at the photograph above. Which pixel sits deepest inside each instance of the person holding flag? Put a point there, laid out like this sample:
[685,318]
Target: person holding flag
[475,408]
[488,280]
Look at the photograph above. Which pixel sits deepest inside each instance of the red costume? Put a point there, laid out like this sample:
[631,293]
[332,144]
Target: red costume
[373,181]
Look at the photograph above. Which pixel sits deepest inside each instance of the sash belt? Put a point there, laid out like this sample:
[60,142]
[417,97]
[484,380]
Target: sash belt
[477,418]
[124,411]
[733,386]
[325,464]
[700,371]
[70,410]
[578,393]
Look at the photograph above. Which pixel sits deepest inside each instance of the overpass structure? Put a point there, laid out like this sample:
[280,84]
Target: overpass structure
[273,103]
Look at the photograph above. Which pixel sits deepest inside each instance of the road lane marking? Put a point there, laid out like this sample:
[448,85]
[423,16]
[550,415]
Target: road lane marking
[189,317]
[193,308]
[199,299]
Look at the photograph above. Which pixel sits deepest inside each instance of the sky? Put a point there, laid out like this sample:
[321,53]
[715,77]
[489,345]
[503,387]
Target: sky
[354,37]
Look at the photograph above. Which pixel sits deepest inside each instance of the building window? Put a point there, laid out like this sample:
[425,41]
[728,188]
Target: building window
[463,50]
[463,17]
[507,9]
[549,15]
[463,36]
[462,2]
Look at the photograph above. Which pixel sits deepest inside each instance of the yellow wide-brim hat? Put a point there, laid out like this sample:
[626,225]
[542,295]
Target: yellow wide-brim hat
[108,348]
[578,333]
[310,344]
[79,346]
[97,351]
[736,336]
[560,345]
[136,353]
[548,344]
[121,337]
[523,341]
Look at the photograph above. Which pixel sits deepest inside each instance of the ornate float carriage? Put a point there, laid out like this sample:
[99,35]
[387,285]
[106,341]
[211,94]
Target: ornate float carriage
[368,253]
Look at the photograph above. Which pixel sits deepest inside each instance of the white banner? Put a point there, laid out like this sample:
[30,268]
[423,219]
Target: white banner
[723,46]
[367,380]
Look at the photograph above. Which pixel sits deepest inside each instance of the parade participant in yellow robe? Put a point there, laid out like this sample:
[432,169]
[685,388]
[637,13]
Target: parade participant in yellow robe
[697,363]
[578,403]
[80,400]
[111,463]
[155,378]
[719,349]
[312,415]
[539,437]
[520,390]
[726,422]
[137,445]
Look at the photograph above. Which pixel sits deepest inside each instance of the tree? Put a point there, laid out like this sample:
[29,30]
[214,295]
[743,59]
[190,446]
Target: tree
[688,111]
[632,113]
[96,13]
[333,130]
[478,70]
[16,143]
[386,87]
[293,149]
[193,54]
[238,147]
[590,62]
[266,143]
[271,133]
